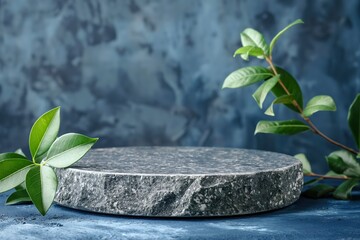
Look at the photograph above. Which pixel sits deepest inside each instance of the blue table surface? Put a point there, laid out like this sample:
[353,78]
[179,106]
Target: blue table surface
[305,219]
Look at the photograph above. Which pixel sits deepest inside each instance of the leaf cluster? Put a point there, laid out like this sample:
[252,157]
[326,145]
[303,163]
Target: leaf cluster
[34,179]
[343,165]
[287,92]
[278,81]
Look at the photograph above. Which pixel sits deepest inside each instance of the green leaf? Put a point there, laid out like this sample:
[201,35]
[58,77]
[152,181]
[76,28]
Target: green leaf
[354,119]
[21,186]
[305,162]
[288,127]
[283,99]
[246,76]
[253,51]
[13,172]
[319,103]
[343,190]
[293,87]
[261,93]
[274,40]
[11,155]
[44,132]
[41,184]
[343,162]
[318,191]
[40,158]
[68,149]
[251,37]
[20,196]
[20,151]
[244,52]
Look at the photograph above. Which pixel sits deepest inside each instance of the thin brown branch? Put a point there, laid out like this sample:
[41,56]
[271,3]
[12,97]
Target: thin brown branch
[318,132]
[309,122]
[327,177]
[294,102]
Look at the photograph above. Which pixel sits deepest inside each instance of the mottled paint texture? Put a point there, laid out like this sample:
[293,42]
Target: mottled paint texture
[138,72]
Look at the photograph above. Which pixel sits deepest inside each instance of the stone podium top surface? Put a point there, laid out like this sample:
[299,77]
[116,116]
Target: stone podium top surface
[184,160]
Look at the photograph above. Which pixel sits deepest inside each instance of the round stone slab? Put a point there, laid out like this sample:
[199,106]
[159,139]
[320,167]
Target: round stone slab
[180,181]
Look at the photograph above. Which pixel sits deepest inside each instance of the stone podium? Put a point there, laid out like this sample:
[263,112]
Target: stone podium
[180,181]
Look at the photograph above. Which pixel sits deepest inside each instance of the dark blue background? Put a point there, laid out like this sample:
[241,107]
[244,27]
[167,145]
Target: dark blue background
[150,72]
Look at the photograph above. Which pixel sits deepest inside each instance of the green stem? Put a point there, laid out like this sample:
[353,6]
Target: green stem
[309,122]
[35,163]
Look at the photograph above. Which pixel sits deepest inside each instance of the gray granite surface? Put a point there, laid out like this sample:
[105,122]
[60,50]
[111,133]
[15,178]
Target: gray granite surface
[180,181]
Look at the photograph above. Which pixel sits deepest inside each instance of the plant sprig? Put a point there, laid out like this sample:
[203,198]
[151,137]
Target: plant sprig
[285,88]
[35,180]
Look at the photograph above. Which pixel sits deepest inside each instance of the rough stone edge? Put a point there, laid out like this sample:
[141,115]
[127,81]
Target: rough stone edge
[285,204]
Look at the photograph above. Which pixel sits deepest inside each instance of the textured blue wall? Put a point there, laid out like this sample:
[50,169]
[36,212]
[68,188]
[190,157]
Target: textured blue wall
[150,72]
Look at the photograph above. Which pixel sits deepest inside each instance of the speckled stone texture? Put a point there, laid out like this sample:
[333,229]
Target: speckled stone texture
[180,181]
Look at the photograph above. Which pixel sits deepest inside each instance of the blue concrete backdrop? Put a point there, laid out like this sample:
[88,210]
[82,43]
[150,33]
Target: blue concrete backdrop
[150,72]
